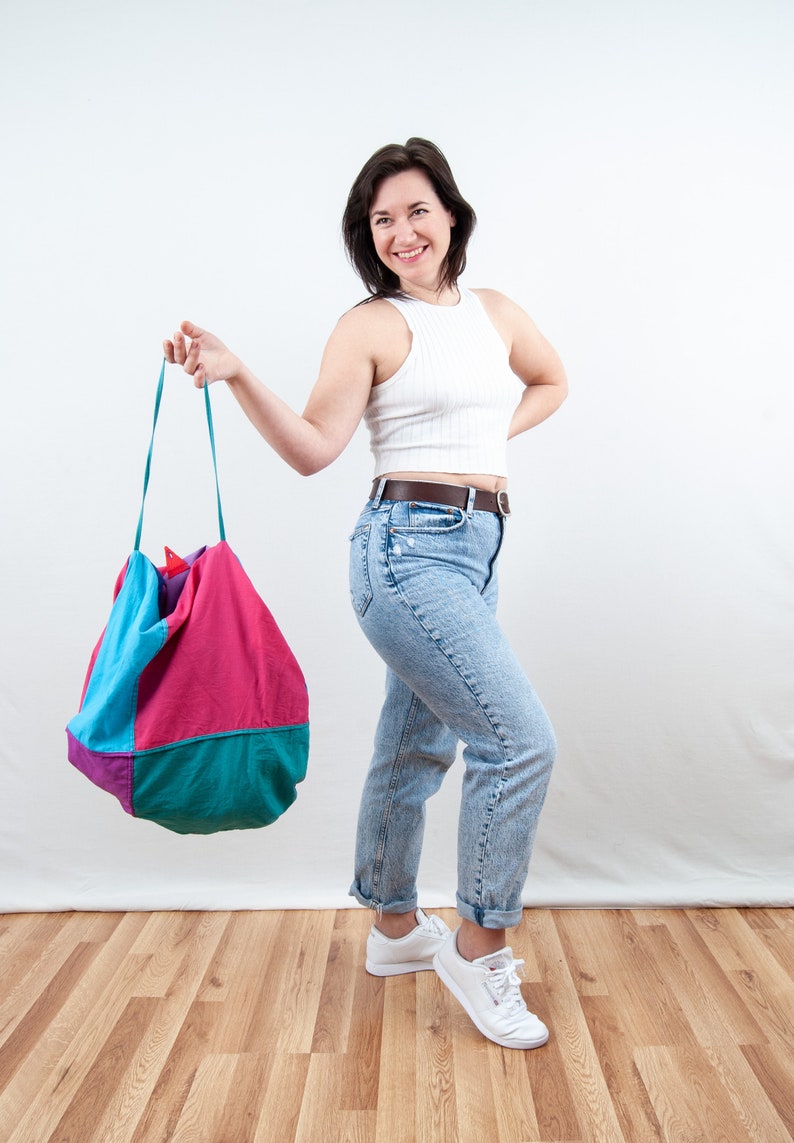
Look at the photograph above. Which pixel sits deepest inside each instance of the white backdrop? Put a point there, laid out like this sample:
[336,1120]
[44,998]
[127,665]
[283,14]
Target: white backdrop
[632,167]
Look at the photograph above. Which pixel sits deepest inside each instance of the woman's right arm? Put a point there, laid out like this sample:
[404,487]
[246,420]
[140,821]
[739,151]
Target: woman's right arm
[310,441]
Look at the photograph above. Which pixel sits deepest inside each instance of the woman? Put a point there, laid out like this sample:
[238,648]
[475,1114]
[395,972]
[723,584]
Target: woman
[437,372]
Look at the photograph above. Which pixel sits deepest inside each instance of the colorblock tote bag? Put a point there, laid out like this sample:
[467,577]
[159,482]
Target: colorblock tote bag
[195,712]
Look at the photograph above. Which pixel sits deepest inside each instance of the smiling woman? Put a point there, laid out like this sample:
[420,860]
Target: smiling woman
[411,230]
[424,161]
[443,376]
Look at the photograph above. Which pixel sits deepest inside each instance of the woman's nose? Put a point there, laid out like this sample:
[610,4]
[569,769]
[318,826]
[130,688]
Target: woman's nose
[405,231]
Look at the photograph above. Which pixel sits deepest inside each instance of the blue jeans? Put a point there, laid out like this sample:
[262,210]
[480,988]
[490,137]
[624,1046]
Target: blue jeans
[423,584]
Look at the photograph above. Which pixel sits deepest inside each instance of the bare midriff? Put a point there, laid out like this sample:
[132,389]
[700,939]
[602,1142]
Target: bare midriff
[467,479]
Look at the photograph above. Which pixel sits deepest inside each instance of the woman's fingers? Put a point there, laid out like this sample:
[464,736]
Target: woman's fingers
[180,350]
[191,363]
[186,348]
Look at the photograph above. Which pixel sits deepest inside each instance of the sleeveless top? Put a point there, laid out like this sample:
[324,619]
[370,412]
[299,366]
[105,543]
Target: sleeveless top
[448,407]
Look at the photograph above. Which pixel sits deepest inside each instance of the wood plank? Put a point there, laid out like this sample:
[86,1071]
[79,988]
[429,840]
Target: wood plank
[436,1025]
[763,984]
[577,1059]
[284,1098]
[397,1090]
[514,1103]
[235,986]
[244,948]
[292,988]
[770,998]
[615,1051]
[244,1108]
[359,1090]
[74,1065]
[710,1003]
[774,1073]
[555,1103]
[31,968]
[321,1118]
[688,1098]
[648,1008]
[760,919]
[781,946]
[650,916]
[26,1031]
[95,1102]
[162,945]
[175,1076]
[474,1091]
[204,1112]
[335,1008]
[36,1070]
[23,939]
[581,942]
[752,1105]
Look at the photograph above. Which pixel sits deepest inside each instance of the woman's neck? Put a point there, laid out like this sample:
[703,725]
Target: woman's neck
[436,296]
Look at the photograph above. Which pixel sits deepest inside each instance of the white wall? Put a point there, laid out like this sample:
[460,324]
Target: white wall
[631,165]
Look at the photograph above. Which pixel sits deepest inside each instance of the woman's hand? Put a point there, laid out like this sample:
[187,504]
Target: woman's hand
[201,354]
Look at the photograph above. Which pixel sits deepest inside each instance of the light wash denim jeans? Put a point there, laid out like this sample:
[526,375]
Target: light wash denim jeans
[423,584]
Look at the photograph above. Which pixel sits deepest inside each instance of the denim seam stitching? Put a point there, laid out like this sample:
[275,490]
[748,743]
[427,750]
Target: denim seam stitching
[496,797]
[377,867]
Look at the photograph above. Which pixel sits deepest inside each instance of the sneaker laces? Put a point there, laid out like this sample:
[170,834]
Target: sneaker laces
[504,982]
[433,924]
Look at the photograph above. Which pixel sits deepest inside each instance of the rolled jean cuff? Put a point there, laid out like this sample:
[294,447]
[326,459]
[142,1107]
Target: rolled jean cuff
[488,918]
[379,906]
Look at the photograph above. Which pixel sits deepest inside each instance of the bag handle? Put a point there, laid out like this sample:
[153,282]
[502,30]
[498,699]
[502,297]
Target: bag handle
[148,469]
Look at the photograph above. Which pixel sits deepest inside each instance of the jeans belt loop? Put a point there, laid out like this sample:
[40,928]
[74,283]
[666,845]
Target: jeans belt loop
[379,493]
[470,503]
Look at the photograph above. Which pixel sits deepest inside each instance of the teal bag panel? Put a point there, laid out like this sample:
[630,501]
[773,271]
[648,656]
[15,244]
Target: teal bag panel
[240,780]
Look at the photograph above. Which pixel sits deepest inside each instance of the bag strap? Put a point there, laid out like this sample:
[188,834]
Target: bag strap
[148,469]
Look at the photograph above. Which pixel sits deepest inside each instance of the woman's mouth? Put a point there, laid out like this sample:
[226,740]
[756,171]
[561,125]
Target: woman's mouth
[411,255]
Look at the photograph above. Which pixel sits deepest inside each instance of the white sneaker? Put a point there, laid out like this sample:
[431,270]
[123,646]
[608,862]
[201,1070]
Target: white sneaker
[488,988]
[390,956]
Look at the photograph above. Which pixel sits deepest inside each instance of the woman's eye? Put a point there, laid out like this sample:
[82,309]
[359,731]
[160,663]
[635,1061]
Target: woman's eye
[381,220]
[420,210]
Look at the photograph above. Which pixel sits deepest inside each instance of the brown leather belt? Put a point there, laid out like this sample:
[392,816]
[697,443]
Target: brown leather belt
[454,495]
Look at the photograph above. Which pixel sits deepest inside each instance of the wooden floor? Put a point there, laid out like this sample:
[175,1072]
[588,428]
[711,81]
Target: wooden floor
[666,1025]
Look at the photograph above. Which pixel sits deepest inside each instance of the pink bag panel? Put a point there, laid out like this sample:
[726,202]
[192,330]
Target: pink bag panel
[257,684]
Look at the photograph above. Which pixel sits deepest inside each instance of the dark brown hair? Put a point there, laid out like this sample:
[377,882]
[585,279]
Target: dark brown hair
[394,159]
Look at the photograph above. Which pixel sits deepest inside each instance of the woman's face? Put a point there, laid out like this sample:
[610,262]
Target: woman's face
[411,228]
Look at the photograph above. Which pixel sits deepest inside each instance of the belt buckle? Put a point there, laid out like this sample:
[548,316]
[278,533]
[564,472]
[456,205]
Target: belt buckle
[503,508]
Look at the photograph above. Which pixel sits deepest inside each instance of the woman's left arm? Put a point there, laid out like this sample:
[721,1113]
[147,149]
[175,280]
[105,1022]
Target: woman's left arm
[532,358]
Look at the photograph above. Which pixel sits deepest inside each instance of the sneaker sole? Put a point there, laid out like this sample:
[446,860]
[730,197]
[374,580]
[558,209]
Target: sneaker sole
[460,996]
[397,969]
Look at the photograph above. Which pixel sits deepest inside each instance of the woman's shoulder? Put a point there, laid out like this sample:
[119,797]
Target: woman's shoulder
[503,312]
[372,311]
[374,330]
[493,301]
[372,318]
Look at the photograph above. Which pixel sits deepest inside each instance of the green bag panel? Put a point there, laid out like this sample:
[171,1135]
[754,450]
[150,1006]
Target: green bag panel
[241,780]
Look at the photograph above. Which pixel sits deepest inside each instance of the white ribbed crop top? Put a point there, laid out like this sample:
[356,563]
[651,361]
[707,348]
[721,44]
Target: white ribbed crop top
[448,407]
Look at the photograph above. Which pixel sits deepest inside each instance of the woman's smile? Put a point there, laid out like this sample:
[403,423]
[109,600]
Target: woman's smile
[411,229]
[411,255]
